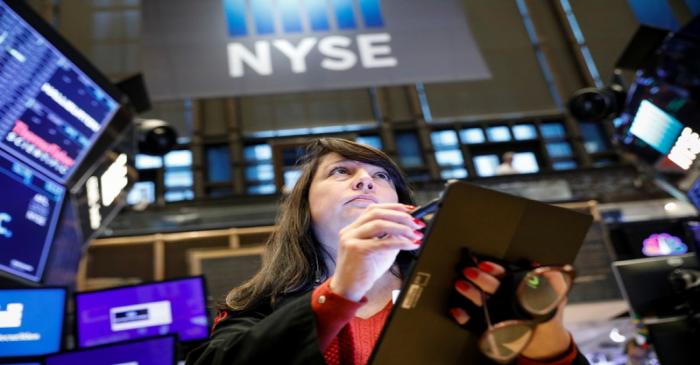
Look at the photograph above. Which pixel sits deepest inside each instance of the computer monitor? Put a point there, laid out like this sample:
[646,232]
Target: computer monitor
[151,351]
[53,104]
[31,321]
[31,205]
[664,237]
[124,313]
[646,286]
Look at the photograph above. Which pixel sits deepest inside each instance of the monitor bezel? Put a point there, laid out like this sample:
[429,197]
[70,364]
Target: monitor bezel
[173,336]
[63,327]
[76,295]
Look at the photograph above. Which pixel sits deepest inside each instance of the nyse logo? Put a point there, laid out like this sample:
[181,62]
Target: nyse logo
[12,316]
[276,20]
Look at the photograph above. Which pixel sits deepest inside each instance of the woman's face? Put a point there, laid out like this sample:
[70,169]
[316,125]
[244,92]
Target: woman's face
[340,190]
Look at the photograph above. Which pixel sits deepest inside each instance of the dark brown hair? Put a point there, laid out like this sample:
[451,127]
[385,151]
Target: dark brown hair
[294,261]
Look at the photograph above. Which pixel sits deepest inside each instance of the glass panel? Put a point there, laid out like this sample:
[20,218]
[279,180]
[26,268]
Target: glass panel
[178,179]
[178,158]
[373,141]
[142,192]
[218,164]
[525,162]
[559,149]
[498,134]
[564,165]
[449,158]
[454,173]
[262,189]
[472,135]
[410,154]
[260,152]
[144,162]
[177,195]
[290,178]
[264,172]
[552,130]
[443,140]
[524,132]
[486,165]
[593,138]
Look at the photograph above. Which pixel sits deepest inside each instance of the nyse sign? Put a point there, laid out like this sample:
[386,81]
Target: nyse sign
[374,52]
[338,51]
[241,47]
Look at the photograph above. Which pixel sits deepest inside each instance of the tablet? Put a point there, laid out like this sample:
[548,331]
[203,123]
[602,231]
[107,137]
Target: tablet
[419,329]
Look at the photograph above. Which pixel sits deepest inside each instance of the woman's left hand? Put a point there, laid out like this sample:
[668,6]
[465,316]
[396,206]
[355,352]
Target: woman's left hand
[550,338]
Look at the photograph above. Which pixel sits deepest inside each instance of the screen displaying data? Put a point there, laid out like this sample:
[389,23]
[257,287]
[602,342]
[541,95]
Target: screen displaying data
[153,351]
[120,314]
[29,212]
[51,112]
[31,321]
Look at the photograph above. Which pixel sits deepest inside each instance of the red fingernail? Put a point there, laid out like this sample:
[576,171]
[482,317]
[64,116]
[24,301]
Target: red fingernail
[411,207]
[462,286]
[420,237]
[471,273]
[459,315]
[419,222]
[485,266]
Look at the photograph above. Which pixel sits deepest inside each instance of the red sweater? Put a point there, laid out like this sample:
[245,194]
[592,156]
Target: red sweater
[349,340]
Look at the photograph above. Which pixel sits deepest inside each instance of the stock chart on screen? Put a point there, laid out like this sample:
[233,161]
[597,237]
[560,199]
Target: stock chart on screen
[51,112]
[30,208]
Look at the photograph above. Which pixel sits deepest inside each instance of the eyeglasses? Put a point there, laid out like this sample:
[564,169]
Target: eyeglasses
[538,293]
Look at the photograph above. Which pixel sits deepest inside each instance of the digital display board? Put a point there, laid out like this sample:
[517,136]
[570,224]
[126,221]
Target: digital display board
[30,208]
[655,127]
[153,351]
[51,112]
[31,321]
[119,314]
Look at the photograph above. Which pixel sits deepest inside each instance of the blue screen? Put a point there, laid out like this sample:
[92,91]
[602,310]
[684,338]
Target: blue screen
[156,351]
[30,208]
[51,112]
[655,127]
[31,321]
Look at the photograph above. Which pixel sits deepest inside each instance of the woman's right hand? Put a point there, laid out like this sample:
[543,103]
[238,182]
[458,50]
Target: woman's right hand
[368,247]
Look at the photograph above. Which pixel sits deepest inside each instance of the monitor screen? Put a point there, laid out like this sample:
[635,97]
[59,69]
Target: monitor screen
[152,351]
[118,314]
[665,237]
[29,212]
[645,283]
[655,127]
[51,111]
[31,321]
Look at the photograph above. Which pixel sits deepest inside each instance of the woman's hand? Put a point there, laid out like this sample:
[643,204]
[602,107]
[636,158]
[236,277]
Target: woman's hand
[368,247]
[550,338]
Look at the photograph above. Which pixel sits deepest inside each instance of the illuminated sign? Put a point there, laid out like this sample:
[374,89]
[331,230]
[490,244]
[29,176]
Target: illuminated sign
[662,244]
[4,231]
[103,191]
[114,180]
[93,196]
[237,47]
[686,149]
[373,50]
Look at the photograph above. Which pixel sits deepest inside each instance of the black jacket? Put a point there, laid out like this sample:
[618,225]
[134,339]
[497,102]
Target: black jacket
[285,335]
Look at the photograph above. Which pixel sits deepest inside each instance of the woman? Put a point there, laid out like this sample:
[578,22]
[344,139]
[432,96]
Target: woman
[324,290]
